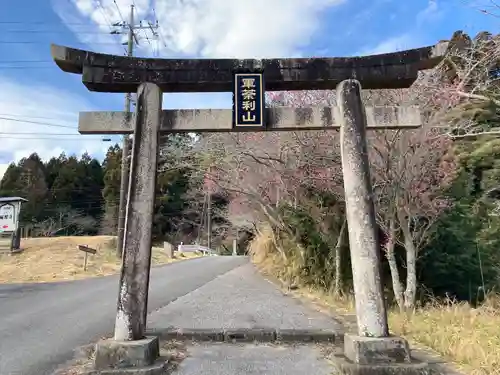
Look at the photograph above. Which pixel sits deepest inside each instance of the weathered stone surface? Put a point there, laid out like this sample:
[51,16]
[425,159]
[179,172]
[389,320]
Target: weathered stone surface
[345,367]
[112,73]
[249,335]
[360,213]
[197,334]
[168,248]
[277,119]
[376,350]
[305,335]
[112,354]
[130,322]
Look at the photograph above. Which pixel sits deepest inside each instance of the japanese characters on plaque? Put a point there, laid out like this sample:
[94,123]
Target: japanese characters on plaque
[248,100]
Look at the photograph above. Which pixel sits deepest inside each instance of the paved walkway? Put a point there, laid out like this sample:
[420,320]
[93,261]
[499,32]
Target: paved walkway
[228,359]
[242,298]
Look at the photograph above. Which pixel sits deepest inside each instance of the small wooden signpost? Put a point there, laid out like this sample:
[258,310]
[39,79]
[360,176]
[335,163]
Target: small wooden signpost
[86,250]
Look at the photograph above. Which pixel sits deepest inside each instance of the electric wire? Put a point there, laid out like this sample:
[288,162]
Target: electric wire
[99,3]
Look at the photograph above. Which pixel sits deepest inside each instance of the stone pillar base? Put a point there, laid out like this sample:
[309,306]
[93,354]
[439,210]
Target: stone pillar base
[373,350]
[378,356]
[111,354]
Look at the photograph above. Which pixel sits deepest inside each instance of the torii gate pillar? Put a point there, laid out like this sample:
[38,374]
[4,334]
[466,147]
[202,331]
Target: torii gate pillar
[136,253]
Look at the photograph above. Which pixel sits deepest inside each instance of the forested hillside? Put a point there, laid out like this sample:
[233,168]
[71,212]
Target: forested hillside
[71,195]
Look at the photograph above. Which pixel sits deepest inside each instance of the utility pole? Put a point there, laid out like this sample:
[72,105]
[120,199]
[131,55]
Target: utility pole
[124,180]
[125,155]
[209,219]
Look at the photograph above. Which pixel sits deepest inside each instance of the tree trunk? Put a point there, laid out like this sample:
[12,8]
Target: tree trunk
[337,289]
[391,258]
[411,275]
[410,293]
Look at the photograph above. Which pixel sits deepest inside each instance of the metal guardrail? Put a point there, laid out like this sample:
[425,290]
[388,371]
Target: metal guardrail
[195,248]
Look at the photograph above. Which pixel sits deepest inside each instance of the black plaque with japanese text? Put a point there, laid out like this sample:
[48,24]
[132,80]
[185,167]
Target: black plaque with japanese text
[248,100]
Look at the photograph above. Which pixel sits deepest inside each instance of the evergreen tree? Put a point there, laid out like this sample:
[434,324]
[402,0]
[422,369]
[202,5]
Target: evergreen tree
[111,189]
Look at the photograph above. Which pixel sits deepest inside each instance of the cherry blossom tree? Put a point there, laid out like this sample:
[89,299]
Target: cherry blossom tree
[410,171]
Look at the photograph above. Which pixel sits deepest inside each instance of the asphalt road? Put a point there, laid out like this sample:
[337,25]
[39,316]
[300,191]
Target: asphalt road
[41,324]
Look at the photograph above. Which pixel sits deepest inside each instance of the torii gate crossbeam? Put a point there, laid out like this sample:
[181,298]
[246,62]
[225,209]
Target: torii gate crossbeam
[121,74]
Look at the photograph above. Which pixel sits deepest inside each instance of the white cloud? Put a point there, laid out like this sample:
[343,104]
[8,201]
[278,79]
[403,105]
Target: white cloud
[393,44]
[34,112]
[431,13]
[3,168]
[210,28]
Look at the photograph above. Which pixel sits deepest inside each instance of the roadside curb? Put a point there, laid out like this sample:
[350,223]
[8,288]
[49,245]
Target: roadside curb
[267,335]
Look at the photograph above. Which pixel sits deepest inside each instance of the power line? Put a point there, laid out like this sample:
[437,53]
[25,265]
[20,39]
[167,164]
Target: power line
[44,42]
[59,136]
[44,136]
[119,12]
[24,61]
[29,116]
[159,36]
[26,67]
[45,23]
[100,6]
[52,32]
[37,122]
[30,133]
[81,138]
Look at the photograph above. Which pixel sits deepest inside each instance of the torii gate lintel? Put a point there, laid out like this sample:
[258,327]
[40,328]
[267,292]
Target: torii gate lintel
[122,74]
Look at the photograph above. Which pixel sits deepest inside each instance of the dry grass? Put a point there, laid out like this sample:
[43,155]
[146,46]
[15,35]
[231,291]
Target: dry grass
[467,337]
[57,258]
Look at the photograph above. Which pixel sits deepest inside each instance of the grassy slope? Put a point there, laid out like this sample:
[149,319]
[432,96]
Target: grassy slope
[57,258]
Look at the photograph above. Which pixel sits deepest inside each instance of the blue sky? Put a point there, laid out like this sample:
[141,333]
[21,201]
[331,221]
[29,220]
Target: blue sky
[39,103]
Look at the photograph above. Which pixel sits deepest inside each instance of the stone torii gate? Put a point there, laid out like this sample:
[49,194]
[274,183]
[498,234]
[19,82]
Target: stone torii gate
[248,79]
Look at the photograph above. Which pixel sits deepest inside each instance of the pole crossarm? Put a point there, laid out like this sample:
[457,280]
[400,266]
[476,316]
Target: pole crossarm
[121,74]
[278,119]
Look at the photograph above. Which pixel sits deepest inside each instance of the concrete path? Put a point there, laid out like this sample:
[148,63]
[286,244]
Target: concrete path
[41,324]
[249,359]
[242,298]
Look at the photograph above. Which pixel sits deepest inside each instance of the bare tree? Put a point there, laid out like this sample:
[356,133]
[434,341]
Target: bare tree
[262,170]
[463,91]
[410,172]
